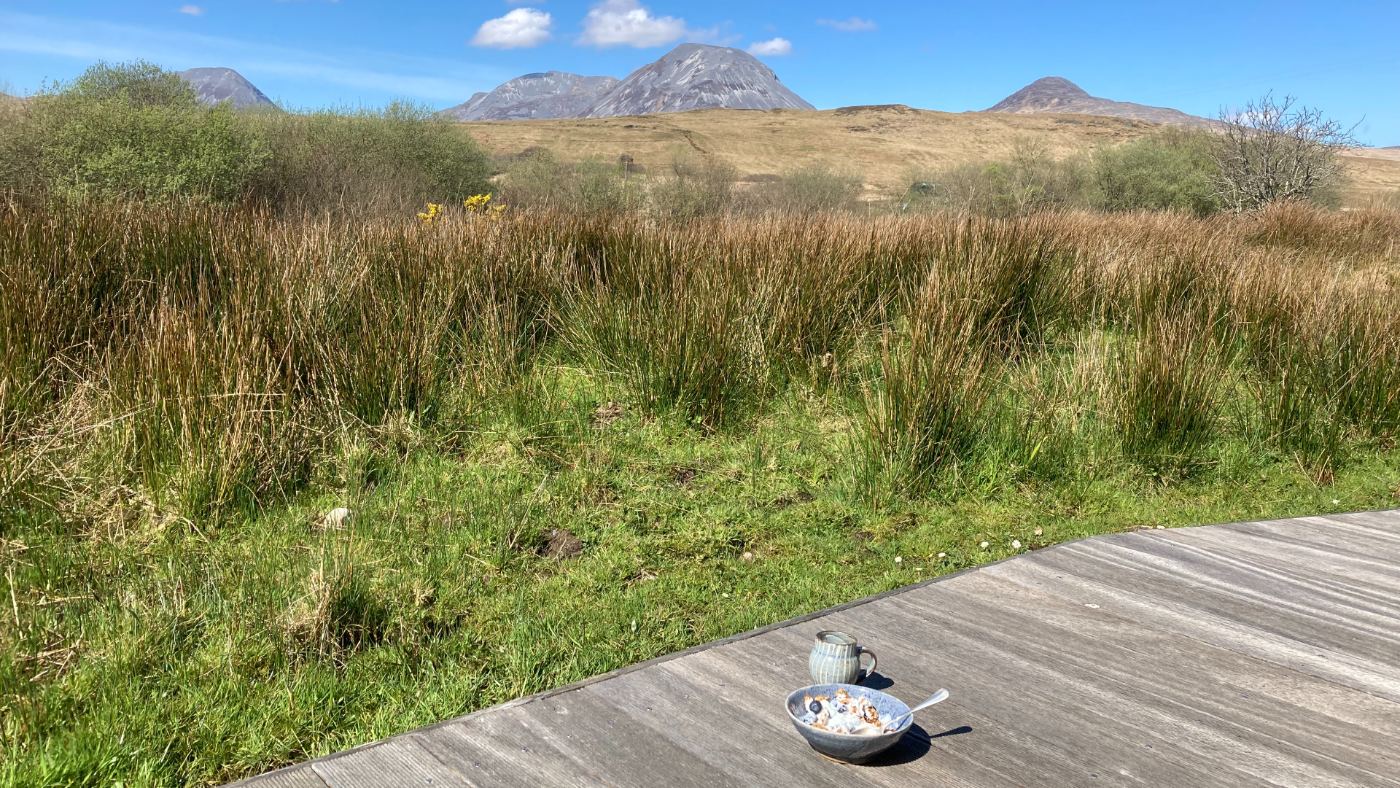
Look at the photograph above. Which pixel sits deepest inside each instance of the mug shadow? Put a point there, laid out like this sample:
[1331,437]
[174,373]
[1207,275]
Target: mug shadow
[877,681]
[915,744]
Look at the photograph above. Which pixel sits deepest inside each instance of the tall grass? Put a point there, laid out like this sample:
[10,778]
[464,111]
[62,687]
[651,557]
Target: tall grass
[193,362]
[762,404]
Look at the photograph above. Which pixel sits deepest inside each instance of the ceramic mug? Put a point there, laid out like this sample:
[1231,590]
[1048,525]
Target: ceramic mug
[836,659]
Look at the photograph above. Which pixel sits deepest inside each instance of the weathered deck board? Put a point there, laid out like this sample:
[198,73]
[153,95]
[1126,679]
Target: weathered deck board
[1252,653]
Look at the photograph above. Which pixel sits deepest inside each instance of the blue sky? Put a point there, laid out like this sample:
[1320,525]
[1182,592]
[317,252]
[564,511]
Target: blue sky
[1341,56]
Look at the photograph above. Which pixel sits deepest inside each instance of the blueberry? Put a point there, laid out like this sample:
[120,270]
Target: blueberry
[815,706]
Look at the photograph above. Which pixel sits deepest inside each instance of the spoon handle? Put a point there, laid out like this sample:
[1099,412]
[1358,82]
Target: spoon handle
[937,697]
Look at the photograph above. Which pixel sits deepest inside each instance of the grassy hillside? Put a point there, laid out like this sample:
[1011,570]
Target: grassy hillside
[569,443]
[882,144]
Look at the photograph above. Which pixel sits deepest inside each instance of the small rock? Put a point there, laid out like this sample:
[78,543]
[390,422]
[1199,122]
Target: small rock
[560,544]
[985,545]
[942,555]
[336,519]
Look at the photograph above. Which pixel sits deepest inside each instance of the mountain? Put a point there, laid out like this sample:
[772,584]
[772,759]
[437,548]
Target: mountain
[214,85]
[553,94]
[1059,95]
[696,76]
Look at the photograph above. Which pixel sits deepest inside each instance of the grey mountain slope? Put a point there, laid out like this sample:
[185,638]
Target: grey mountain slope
[1057,94]
[553,94]
[215,85]
[696,76]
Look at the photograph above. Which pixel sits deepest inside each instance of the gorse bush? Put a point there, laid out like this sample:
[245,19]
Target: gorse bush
[137,132]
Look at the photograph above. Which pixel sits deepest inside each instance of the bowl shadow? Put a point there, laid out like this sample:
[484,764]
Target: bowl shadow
[917,741]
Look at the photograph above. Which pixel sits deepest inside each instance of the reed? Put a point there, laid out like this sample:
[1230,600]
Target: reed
[735,420]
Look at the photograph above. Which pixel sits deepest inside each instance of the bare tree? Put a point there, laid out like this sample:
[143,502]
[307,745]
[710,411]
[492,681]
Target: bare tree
[1277,150]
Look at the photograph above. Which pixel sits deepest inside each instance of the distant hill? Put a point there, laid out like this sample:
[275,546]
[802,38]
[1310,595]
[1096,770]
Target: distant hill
[884,146]
[1059,95]
[697,76]
[553,94]
[689,77]
[216,85]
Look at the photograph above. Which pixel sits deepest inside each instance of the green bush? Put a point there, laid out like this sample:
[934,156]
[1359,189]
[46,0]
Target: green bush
[374,160]
[136,131]
[1028,181]
[811,189]
[537,179]
[128,131]
[696,188]
[1172,171]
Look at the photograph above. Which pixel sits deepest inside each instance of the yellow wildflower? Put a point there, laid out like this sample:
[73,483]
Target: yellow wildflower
[481,203]
[431,214]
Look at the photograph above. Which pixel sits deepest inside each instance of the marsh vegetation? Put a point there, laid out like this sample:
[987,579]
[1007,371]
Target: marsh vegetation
[564,441]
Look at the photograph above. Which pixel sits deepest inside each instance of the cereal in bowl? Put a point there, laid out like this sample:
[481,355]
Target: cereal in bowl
[842,712]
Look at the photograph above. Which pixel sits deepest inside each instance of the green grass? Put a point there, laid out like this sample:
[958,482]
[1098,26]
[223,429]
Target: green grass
[190,658]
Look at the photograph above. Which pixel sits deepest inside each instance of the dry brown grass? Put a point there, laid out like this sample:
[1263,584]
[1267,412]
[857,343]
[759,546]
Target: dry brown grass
[883,143]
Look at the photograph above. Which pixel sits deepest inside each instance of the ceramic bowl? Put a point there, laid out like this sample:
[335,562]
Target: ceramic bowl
[846,746]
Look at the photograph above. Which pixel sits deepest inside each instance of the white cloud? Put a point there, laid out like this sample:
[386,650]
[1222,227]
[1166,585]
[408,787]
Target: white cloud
[773,47]
[523,27]
[192,10]
[853,25]
[613,23]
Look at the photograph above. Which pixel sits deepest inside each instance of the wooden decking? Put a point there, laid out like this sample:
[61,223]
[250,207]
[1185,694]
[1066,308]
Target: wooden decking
[1242,654]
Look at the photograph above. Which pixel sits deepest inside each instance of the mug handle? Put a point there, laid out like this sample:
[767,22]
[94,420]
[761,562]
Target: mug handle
[865,652]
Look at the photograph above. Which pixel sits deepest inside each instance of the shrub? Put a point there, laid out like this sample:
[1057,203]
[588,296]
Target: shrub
[1275,150]
[367,160]
[138,132]
[1029,180]
[1173,171]
[696,188]
[812,189]
[539,180]
[129,131]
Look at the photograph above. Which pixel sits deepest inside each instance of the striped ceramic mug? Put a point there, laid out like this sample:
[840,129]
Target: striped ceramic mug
[836,659]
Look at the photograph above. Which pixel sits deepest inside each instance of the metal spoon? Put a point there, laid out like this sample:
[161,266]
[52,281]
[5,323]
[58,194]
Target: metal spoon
[937,697]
